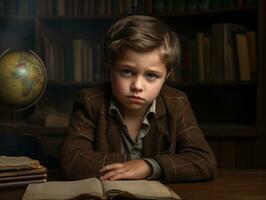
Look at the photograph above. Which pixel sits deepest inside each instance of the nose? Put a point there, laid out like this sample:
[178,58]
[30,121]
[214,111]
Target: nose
[137,85]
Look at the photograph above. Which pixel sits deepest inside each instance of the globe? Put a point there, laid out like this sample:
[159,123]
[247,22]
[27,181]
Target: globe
[23,79]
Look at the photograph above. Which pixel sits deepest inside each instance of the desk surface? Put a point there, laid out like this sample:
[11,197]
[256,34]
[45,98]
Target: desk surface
[229,185]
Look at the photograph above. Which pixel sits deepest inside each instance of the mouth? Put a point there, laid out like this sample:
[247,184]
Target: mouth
[135,98]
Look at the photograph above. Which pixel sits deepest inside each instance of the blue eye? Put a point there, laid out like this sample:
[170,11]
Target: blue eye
[151,76]
[126,72]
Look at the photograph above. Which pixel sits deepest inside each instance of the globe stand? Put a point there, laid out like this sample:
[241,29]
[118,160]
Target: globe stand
[13,123]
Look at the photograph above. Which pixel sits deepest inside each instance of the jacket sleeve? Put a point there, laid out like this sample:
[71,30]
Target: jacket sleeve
[193,159]
[78,157]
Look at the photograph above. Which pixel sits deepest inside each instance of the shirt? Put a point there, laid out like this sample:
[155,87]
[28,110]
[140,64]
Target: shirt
[134,148]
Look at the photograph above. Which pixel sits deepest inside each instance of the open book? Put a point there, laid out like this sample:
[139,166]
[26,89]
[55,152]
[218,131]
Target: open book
[93,188]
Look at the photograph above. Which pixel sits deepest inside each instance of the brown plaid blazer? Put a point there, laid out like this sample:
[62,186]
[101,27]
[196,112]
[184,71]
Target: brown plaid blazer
[174,140]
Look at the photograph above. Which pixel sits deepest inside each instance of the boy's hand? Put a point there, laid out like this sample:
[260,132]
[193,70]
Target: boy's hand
[133,169]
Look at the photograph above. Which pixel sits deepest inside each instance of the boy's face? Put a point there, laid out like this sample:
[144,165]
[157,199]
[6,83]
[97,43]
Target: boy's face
[137,79]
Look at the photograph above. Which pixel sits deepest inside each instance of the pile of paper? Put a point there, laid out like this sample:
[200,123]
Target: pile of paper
[20,171]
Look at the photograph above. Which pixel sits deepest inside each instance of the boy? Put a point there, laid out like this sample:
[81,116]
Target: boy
[136,127]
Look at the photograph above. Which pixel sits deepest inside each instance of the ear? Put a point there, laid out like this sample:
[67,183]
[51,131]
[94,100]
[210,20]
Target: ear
[169,73]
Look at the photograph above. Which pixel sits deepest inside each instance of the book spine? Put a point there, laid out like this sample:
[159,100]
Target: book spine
[243,57]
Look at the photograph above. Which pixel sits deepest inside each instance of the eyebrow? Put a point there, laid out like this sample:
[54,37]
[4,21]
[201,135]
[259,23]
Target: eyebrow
[124,65]
[133,68]
[154,72]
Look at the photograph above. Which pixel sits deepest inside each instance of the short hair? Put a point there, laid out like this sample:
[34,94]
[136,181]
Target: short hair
[142,33]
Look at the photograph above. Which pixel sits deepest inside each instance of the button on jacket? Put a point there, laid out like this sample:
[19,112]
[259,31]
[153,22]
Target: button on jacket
[174,139]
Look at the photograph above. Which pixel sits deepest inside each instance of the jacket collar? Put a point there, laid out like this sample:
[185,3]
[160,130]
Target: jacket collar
[160,108]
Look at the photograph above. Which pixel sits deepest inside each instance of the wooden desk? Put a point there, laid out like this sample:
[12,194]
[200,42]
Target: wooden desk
[229,185]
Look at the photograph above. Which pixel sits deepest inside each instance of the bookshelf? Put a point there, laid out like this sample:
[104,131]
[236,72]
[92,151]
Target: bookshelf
[68,36]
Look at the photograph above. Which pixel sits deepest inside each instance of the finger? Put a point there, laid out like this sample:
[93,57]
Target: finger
[112,173]
[122,175]
[111,167]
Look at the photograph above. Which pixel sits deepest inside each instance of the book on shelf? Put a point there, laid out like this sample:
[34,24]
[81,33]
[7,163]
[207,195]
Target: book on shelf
[49,119]
[87,61]
[24,8]
[97,189]
[87,8]
[54,60]
[229,49]
[80,61]
[20,171]
[77,60]
[201,48]
[204,4]
[243,56]
[226,53]
[179,6]
[2,8]
[191,5]
[251,41]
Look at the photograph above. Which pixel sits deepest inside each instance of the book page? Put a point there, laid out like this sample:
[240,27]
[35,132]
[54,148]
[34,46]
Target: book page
[139,188]
[59,190]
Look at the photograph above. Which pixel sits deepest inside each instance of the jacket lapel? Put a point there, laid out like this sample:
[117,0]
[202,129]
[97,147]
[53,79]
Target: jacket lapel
[152,140]
[113,136]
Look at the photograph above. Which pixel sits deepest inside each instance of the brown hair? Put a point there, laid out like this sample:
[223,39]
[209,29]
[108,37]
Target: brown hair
[142,33]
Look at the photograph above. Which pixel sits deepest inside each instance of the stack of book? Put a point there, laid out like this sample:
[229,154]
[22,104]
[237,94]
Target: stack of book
[20,171]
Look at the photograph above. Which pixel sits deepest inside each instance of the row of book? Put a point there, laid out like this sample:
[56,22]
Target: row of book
[226,53]
[86,8]
[80,62]
[17,7]
[18,171]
